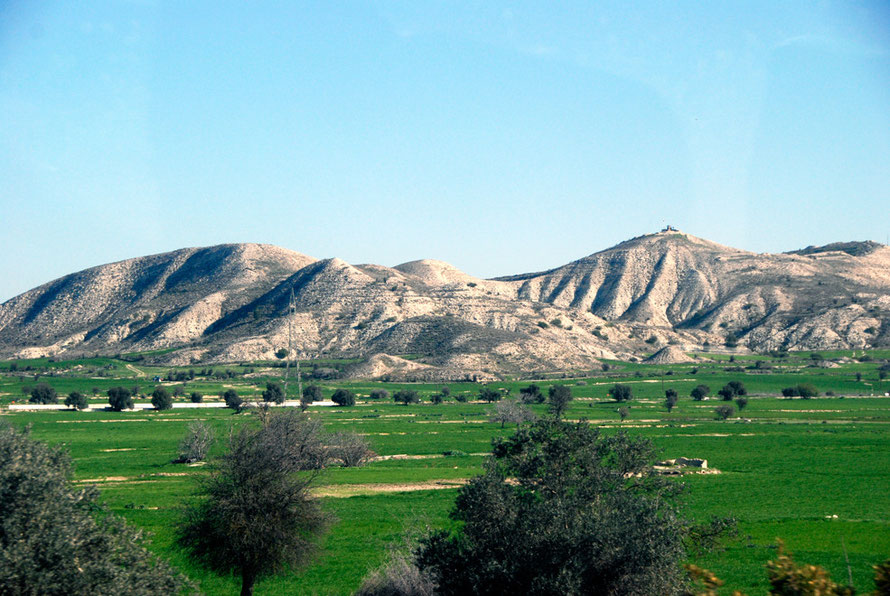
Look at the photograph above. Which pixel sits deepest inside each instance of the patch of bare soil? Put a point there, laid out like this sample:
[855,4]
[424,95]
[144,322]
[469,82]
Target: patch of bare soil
[352,490]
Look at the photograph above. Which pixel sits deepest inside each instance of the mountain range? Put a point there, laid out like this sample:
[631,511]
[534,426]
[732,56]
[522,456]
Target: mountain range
[230,303]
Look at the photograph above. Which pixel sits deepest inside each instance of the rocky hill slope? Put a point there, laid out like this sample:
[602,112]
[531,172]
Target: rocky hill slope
[230,303]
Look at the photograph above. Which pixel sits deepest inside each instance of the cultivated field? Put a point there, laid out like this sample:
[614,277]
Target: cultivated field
[814,472]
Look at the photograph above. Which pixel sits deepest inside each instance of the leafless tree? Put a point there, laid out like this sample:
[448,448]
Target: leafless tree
[511,411]
[196,443]
[350,449]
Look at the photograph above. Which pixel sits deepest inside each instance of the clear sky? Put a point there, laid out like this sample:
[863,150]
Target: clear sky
[500,137]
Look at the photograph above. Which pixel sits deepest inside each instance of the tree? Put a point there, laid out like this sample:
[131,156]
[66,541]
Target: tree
[343,397]
[257,517]
[731,340]
[379,394]
[489,394]
[161,399]
[350,449]
[119,398]
[700,392]
[43,394]
[670,399]
[731,390]
[445,391]
[273,393]
[437,398]
[312,393]
[232,399]
[281,353]
[50,541]
[561,509]
[196,443]
[77,400]
[623,413]
[531,395]
[806,391]
[738,387]
[741,401]
[789,392]
[511,411]
[406,396]
[196,397]
[724,412]
[621,392]
[558,397]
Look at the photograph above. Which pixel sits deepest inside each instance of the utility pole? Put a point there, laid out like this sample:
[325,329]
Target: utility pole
[291,311]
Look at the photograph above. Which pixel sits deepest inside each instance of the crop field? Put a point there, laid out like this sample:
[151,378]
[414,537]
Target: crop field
[813,472]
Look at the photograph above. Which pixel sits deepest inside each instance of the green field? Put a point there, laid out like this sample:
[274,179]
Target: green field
[788,466]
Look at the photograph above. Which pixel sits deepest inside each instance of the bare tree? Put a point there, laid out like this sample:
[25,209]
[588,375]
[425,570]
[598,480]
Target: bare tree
[511,411]
[350,449]
[196,443]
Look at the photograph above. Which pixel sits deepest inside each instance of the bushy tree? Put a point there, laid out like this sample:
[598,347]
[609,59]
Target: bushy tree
[789,392]
[489,394]
[724,412]
[43,394]
[232,399]
[50,540]
[312,393]
[621,392]
[623,413]
[343,397]
[196,443]
[257,516]
[671,399]
[379,394]
[406,396]
[196,397]
[558,398]
[273,393]
[807,390]
[437,398]
[562,509]
[77,400]
[119,398]
[160,399]
[700,392]
[731,390]
[531,394]
[741,402]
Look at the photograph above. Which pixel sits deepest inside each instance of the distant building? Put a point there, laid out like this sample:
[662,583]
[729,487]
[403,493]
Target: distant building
[670,228]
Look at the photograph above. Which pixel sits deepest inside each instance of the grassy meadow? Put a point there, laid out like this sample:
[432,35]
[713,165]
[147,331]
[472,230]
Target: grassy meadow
[813,472]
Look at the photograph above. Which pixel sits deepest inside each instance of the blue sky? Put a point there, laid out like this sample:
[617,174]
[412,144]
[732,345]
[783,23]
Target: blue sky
[500,137]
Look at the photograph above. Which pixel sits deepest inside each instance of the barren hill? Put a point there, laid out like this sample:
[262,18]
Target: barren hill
[836,296]
[229,303]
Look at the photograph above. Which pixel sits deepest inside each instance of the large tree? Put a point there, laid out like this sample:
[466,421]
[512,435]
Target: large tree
[120,398]
[50,540]
[257,517]
[558,398]
[43,394]
[562,509]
